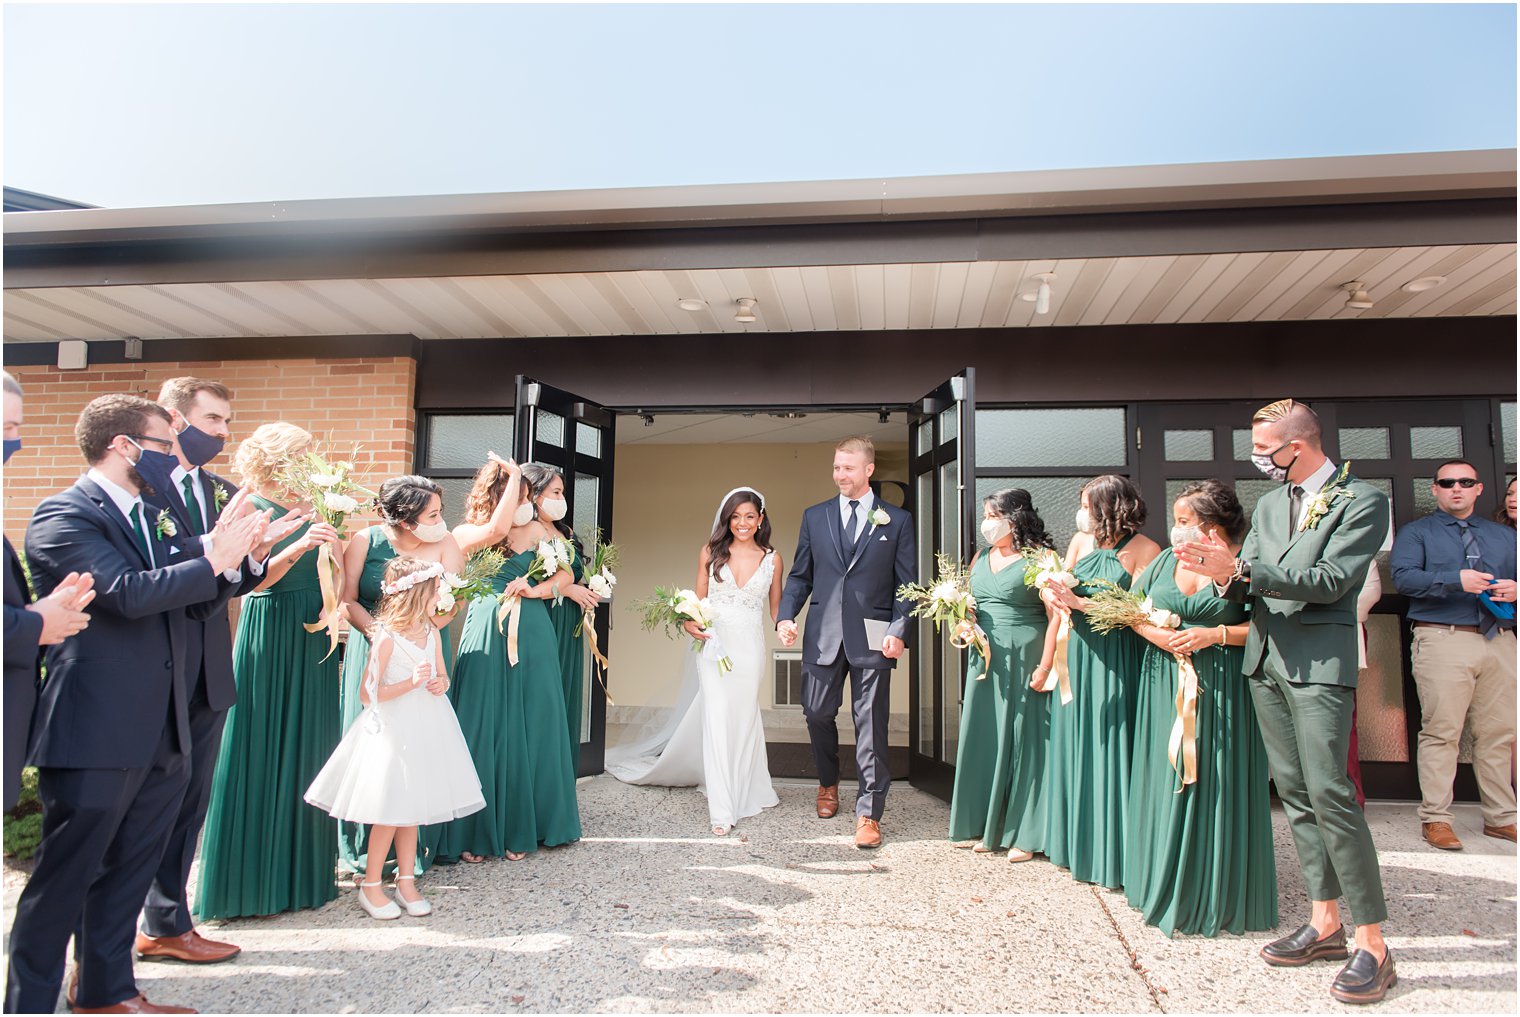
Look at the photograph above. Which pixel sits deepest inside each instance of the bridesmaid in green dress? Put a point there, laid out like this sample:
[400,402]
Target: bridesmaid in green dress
[1088,766]
[1000,762]
[264,849]
[546,489]
[1199,857]
[512,716]
[411,510]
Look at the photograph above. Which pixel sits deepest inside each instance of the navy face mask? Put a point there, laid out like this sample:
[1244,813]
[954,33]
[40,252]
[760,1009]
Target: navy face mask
[11,445]
[198,446]
[156,469]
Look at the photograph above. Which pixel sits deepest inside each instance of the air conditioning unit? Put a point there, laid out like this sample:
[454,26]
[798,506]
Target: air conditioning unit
[786,665]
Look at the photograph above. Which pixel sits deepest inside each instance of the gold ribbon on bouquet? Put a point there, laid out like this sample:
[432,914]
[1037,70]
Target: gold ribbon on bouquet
[588,622]
[1183,741]
[1063,676]
[329,578]
[969,633]
[511,613]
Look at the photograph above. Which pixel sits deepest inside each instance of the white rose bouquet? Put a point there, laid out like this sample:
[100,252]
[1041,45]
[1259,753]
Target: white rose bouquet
[671,608]
[550,557]
[1042,567]
[476,581]
[599,579]
[948,601]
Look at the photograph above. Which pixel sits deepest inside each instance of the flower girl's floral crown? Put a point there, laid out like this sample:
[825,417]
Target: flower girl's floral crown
[406,582]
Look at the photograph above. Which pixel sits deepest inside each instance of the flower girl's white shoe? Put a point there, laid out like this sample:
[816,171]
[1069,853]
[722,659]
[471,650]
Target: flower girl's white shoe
[416,908]
[383,912]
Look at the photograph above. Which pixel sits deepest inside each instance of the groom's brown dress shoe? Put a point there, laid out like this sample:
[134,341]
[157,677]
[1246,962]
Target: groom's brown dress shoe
[192,948]
[1440,835]
[1304,947]
[1502,832]
[137,1004]
[1363,979]
[828,801]
[867,833]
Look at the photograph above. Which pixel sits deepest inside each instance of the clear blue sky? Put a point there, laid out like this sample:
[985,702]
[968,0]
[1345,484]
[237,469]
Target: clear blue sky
[163,105]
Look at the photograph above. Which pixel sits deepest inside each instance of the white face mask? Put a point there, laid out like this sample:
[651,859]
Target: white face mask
[1084,520]
[431,533]
[1184,534]
[555,508]
[994,530]
[524,514]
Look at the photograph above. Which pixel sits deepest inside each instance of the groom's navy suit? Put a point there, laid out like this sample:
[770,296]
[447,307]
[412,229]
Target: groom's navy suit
[111,742]
[844,584]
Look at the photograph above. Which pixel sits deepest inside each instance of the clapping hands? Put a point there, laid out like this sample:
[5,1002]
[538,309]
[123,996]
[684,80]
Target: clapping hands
[62,611]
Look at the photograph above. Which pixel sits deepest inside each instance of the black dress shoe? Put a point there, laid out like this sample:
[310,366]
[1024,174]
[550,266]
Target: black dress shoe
[1305,946]
[1363,979]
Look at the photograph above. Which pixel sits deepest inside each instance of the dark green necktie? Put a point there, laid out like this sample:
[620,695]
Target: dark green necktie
[193,505]
[142,533]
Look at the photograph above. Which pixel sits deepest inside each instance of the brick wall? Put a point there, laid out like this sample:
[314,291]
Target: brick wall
[367,400]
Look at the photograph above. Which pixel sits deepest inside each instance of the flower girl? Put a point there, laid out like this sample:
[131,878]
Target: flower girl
[403,763]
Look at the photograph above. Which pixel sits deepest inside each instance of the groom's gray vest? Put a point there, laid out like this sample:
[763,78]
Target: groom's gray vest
[848,584]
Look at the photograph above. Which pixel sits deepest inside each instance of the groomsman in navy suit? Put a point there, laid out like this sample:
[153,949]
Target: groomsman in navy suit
[203,505]
[30,625]
[112,737]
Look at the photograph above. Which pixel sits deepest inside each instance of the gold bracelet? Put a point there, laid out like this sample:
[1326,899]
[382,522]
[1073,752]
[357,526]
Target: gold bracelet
[1224,636]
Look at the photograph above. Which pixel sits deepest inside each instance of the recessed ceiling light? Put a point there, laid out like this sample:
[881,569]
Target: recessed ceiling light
[1422,284]
[692,304]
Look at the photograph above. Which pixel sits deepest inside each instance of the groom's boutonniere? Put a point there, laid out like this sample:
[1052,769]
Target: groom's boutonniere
[165,527]
[1328,495]
[879,517]
[219,498]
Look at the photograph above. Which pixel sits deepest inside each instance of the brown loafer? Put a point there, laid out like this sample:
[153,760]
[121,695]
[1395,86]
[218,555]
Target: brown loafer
[192,948]
[867,833]
[828,801]
[137,1004]
[1502,832]
[1440,835]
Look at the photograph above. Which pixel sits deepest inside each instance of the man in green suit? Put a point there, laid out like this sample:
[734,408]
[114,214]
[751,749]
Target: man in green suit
[1301,568]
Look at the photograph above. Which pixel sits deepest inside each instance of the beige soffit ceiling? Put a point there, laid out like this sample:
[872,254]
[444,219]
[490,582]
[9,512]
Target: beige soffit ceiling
[1168,289]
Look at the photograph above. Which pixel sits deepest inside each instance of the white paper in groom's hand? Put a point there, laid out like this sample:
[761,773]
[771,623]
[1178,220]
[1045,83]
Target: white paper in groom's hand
[876,633]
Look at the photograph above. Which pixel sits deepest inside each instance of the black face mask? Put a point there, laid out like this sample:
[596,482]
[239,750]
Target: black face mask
[198,446]
[154,471]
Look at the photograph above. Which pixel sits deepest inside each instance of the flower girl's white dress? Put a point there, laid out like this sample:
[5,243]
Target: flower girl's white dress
[403,762]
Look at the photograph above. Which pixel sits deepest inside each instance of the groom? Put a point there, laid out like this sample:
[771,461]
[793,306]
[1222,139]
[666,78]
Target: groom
[852,555]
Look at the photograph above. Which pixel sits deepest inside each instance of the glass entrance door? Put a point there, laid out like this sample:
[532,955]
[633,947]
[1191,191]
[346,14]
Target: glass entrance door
[940,468]
[576,437]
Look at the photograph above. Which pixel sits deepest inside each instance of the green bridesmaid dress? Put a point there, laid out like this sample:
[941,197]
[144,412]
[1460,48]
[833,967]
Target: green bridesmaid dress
[513,719]
[1000,762]
[264,849]
[1199,858]
[1088,765]
[566,617]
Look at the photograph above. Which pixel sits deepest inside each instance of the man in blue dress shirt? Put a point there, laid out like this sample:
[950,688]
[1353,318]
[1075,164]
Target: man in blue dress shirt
[1448,564]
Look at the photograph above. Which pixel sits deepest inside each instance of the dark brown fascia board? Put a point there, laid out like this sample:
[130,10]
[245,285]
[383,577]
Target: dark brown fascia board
[1421,176]
[160,351]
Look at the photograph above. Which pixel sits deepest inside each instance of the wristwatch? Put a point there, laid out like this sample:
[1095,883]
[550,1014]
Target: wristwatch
[1241,573]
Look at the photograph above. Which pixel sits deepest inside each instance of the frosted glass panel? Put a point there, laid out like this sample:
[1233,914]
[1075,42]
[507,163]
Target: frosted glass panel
[588,440]
[1240,440]
[455,490]
[1507,429]
[949,423]
[550,428]
[923,437]
[924,520]
[583,519]
[1056,500]
[1070,437]
[1189,446]
[1380,732]
[1435,442]
[1365,443]
[949,509]
[1424,501]
[460,442]
[1251,491]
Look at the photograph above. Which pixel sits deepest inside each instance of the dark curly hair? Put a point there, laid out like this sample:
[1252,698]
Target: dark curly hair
[1214,503]
[1015,505]
[403,499]
[1116,507]
[722,539]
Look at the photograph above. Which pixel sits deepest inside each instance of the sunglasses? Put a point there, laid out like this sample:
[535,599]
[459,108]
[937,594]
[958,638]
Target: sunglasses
[1450,482]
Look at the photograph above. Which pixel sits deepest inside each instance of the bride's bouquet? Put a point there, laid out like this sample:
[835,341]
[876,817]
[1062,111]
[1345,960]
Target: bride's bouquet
[948,601]
[671,608]
[474,582]
[547,560]
[334,495]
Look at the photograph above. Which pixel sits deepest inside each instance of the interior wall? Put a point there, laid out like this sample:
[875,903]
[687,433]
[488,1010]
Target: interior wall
[665,498]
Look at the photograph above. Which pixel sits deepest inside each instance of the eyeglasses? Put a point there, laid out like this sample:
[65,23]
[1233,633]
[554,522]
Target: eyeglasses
[1450,482]
[159,441]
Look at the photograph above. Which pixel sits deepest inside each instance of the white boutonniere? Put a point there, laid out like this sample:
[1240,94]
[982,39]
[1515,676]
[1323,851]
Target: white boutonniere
[1321,503]
[219,498]
[164,526]
[879,517]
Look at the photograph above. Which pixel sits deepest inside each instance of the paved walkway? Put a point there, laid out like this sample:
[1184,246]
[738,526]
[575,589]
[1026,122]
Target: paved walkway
[649,914]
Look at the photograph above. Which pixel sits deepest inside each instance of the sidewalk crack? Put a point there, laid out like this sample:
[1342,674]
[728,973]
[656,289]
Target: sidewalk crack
[1134,958]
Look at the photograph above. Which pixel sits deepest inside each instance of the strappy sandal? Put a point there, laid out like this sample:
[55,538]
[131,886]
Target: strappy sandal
[720,830]
[516,856]
[470,857]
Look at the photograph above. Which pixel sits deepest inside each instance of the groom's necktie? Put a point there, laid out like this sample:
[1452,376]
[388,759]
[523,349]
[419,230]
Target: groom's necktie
[1295,505]
[852,531]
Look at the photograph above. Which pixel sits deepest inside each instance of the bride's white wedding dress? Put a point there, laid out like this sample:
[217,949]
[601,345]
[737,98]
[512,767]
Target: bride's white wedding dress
[714,738]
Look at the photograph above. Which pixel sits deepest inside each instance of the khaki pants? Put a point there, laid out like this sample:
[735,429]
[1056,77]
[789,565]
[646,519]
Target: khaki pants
[1461,675]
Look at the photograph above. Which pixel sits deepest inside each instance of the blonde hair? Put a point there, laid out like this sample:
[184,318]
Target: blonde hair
[405,610]
[1292,419]
[260,454]
[858,443]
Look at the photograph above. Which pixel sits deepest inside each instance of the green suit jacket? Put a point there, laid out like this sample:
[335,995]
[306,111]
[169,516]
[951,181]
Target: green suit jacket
[1303,588]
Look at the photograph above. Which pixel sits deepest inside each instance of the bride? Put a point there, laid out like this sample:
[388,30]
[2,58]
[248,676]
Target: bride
[714,738]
